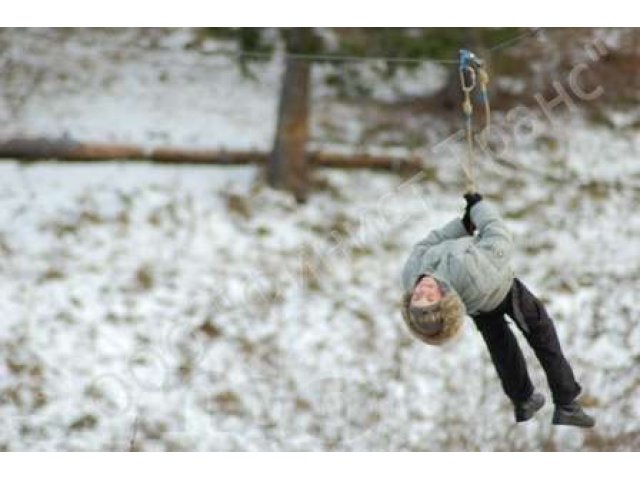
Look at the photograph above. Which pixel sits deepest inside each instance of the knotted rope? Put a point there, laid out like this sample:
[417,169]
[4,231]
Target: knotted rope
[472,73]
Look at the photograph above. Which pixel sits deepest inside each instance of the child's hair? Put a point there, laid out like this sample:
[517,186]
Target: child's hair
[436,323]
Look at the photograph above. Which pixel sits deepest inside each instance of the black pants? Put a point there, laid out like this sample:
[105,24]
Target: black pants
[532,319]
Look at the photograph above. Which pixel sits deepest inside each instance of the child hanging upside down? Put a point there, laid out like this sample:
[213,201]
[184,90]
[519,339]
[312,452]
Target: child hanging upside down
[453,272]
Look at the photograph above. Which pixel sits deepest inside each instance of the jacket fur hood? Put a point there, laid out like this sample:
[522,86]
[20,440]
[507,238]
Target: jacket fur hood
[451,312]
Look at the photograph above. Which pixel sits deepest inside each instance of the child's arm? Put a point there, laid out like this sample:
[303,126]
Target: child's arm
[413,266]
[493,234]
[453,229]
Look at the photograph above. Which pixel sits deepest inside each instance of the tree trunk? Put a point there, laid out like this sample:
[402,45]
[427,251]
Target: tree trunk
[287,167]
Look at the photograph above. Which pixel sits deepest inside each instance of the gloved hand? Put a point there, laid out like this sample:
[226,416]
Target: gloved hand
[472,198]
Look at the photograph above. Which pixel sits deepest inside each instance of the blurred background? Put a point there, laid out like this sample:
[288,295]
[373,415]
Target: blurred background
[202,232]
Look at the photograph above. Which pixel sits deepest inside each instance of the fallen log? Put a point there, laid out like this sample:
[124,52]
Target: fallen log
[218,157]
[324,159]
[68,149]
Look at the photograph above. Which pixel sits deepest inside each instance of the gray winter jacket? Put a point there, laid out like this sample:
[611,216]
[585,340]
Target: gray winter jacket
[477,267]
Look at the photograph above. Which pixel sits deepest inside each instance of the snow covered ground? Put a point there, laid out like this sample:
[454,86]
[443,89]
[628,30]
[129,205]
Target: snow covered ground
[193,308]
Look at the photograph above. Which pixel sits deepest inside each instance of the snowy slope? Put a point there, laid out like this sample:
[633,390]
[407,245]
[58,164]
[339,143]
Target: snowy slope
[193,308]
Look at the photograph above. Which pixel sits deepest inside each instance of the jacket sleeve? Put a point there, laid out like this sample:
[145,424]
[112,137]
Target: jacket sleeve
[452,230]
[493,235]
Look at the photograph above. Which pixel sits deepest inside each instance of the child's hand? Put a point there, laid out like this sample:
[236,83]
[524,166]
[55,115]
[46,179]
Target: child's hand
[472,199]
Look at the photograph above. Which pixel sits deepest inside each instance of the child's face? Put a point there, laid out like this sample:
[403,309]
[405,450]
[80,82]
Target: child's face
[426,292]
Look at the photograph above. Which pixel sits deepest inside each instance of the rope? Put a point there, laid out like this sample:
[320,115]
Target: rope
[353,58]
[472,67]
[467,110]
[483,79]
[327,57]
[515,39]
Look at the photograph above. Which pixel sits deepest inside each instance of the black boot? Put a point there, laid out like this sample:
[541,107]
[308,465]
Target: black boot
[572,414]
[525,410]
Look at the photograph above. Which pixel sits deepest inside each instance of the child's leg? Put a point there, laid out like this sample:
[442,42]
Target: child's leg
[506,355]
[543,339]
